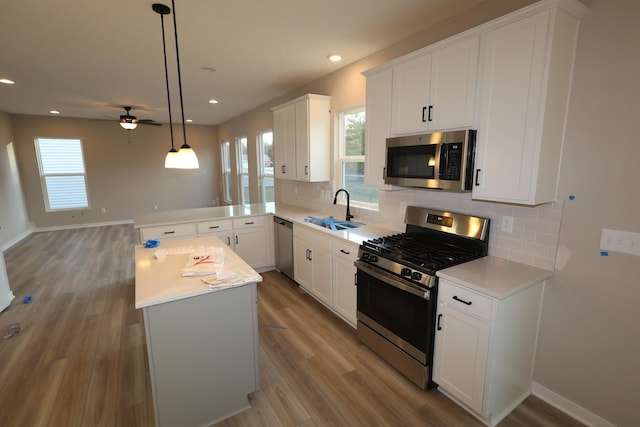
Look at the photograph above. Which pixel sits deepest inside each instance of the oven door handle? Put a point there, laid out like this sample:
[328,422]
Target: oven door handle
[392,280]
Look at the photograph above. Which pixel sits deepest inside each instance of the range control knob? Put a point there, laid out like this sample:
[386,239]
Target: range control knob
[405,272]
[416,275]
[365,256]
[373,258]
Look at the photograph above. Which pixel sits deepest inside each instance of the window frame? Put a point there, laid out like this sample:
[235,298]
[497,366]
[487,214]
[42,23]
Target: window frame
[44,175]
[341,159]
[241,171]
[225,169]
[262,190]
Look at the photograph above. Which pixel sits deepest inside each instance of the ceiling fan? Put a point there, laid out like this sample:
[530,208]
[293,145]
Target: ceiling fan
[129,122]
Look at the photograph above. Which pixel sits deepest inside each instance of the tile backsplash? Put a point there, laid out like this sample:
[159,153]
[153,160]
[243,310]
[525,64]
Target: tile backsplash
[533,240]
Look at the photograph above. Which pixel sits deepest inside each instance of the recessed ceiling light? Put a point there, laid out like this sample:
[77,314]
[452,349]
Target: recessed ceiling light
[335,57]
[54,111]
[213,101]
[7,81]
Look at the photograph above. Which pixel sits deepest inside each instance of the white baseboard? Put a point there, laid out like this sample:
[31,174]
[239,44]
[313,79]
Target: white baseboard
[7,245]
[85,225]
[570,408]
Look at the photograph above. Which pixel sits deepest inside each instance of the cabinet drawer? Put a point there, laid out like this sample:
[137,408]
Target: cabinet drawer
[465,300]
[168,231]
[248,222]
[344,250]
[306,233]
[210,227]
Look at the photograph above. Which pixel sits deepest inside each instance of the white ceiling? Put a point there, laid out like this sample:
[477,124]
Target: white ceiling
[88,58]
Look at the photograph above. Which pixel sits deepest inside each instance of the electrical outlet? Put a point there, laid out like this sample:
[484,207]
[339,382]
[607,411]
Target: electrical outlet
[507,224]
[103,210]
[620,241]
[155,207]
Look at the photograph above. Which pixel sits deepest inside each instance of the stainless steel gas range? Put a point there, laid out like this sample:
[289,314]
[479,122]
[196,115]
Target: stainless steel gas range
[397,285]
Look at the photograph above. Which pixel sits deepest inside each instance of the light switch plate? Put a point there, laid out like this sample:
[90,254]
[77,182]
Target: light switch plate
[620,241]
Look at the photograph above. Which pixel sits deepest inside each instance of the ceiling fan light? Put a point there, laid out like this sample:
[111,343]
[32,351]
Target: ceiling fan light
[171,161]
[187,158]
[129,125]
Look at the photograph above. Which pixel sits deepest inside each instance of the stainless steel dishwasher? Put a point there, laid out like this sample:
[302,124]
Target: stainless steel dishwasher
[284,246]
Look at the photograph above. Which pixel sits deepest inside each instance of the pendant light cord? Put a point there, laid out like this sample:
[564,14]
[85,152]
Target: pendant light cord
[175,29]
[166,78]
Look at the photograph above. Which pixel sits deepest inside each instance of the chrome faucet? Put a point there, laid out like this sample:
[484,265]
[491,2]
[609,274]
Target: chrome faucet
[335,200]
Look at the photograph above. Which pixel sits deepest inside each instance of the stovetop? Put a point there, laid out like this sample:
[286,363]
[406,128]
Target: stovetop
[433,240]
[413,250]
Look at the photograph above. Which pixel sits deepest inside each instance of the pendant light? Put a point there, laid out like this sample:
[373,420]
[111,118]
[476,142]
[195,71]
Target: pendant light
[185,158]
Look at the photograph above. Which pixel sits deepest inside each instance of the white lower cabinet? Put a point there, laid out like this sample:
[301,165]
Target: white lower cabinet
[251,241]
[323,266]
[222,229]
[484,348]
[344,286]
[312,267]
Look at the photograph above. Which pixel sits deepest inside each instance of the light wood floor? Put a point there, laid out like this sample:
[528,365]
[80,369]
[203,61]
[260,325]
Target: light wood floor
[80,356]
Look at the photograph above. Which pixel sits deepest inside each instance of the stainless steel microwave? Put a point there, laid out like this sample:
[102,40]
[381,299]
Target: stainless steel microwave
[439,161]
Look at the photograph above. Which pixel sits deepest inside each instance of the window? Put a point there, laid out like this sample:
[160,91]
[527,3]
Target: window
[62,173]
[226,172]
[243,169]
[265,166]
[351,155]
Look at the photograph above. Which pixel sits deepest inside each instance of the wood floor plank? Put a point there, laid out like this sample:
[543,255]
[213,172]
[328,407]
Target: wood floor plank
[80,358]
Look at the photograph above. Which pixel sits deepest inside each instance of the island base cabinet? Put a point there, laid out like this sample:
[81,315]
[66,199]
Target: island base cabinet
[203,356]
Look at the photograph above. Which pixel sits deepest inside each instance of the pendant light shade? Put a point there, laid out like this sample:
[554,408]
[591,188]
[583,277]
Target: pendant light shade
[185,158]
[171,161]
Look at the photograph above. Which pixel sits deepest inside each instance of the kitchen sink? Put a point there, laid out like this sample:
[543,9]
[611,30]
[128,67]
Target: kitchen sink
[332,224]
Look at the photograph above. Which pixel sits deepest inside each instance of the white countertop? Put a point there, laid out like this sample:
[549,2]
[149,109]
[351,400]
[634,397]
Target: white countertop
[291,213]
[159,281]
[495,277]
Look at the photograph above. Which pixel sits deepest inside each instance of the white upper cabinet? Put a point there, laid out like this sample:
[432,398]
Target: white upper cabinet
[526,66]
[302,139]
[435,90]
[378,127]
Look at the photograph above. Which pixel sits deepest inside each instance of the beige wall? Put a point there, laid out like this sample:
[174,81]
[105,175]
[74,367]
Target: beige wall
[589,343]
[14,222]
[125,171]
[589,349]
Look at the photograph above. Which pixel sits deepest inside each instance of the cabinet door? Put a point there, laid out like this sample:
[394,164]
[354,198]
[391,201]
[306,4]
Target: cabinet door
[284,142]
[227,238]
[302,271]
[250,246]
[511,94]
[378,125]
[302,139]
[454,71]
[411,87]
[345,295]
[460,355]
[322,270]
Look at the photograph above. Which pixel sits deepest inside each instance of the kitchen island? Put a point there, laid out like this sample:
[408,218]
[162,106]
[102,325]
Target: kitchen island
[202,340]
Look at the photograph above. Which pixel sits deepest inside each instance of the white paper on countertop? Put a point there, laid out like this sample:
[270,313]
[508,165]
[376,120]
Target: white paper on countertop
[204,261]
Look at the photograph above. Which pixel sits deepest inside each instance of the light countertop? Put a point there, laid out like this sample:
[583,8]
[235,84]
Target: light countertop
[159,281]
[291,213]
[495,277]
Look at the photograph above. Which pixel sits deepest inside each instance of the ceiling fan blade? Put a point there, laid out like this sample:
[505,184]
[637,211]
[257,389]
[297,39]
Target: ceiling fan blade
[148,122]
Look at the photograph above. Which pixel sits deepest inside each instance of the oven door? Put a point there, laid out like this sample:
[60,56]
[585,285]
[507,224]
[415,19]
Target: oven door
[397,309]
